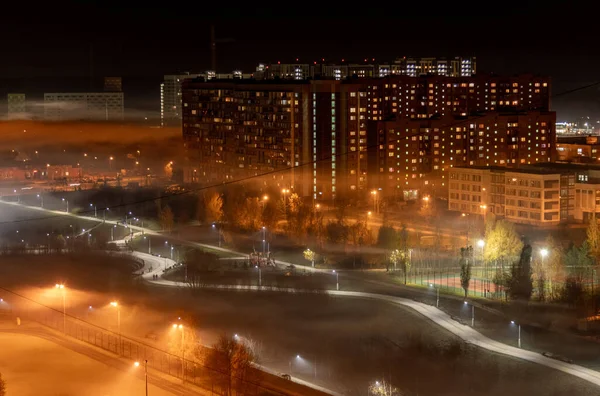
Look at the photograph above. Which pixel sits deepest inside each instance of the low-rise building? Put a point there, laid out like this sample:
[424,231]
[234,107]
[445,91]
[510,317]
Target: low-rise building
[537,194]
[585,149]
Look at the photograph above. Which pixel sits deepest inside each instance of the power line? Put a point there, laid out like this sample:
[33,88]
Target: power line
[275,171]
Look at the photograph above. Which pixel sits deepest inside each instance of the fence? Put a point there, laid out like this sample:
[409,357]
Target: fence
[482,284]
[158,359]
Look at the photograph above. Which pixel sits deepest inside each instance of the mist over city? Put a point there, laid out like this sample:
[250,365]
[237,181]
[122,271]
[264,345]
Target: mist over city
[213,200]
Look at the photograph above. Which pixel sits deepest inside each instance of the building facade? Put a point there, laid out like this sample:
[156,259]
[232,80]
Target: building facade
[409,157]
[94,106]
[398,133]
[585,149]
[17,105]
[170,93]
[411,67]
[542,194]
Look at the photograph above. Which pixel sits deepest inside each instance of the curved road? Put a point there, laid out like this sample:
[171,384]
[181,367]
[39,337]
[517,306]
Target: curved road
[442,319]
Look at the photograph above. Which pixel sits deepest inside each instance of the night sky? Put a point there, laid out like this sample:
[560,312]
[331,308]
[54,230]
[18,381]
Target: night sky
[47,48]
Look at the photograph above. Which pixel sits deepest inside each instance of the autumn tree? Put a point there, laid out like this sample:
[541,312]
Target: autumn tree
[166,219]
[502,243]
[230,361]
[2,386]
[213,207]
[593,237]
[466,262]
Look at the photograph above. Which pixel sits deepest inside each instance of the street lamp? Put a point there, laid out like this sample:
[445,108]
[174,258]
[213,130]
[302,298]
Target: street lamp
[437,294]
[481,244]
[41,197]
[218,233]
[95,210]
[512,322]
[62,288]
[116,304]
[180,327]
[374,194]
[543,253]
[112,232]
[285,191]
[137,364]
[337,280]
[259,276]
[472,313]
[67,202]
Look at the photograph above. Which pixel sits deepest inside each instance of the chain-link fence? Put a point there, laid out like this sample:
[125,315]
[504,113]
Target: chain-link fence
[190,371]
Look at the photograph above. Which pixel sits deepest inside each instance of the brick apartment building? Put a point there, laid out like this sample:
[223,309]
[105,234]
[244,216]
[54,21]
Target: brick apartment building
[332,134]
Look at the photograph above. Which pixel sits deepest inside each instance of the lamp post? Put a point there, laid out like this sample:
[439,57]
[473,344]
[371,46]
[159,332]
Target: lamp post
[18,196]
[112,232]
[67,202]
[481,244]
[472,314]
[95,210]
[41,197]
[437,295]
[116,304]
[62,287]
[218,229]
[180,327]
[518,333]
[284,192]
[374,194]
[259,276]
[136,364]
[337,280]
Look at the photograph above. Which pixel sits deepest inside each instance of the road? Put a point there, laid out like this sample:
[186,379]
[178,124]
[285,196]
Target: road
[442,319]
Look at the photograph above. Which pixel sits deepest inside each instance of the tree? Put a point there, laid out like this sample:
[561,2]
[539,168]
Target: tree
[383,388]
[2,386]
[310,256]
[520,282]
[593,237]
[166,219]
[336,232]
[466,258]
[578,257]
[231,362]
[502,243]
[213,207]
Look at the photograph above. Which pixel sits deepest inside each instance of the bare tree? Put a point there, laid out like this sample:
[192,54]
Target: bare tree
[230,361]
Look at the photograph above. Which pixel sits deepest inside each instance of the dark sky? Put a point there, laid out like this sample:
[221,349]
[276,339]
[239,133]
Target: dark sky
[49,44]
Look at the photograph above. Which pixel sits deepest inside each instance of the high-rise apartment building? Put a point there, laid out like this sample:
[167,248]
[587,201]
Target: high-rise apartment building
[411,156]
[411,67]
[94,106]
[170,93]
[113,84]
[351,132]
[240,128]
[17,105]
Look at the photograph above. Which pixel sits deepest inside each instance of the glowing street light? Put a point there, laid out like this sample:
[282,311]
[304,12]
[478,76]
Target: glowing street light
[259,276]
[95,210]
[337,280]
[67,202]
[543,254]
[116,305]
[62,288]
[180,327]
[137,364]
[41,197]
[437,294]
[512,322]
